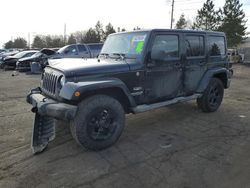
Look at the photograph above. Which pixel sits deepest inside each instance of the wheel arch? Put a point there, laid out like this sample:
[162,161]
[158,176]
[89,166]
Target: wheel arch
[220,73]
[113,87]
[222,76]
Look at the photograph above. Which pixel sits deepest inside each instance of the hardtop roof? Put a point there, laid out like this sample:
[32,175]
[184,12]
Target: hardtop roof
[176,30]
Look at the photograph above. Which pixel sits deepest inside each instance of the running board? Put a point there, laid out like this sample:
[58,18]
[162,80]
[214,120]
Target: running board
[147,107]
[43,133]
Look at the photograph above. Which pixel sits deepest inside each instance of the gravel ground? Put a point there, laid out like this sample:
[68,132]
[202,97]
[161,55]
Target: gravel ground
[176,146]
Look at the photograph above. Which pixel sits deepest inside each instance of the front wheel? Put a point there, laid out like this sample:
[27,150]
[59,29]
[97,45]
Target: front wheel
[98,123]
[212,96]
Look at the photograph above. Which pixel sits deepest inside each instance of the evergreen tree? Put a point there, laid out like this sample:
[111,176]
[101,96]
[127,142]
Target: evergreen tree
[38,42]
[57,41]
[207,18]
[109,29]
[99,31]
[91,36]
[17,43]
[20,43]
[233,23]
[181,23]
[8,45]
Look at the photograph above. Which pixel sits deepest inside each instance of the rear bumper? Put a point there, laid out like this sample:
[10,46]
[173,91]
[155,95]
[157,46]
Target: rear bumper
[49,107]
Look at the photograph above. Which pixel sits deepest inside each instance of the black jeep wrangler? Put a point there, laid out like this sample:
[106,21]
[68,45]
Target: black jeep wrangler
[135,72]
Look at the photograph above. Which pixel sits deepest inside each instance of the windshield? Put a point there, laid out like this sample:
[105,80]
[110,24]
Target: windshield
[125,43]
[37,54]
[20,54]
[62,49]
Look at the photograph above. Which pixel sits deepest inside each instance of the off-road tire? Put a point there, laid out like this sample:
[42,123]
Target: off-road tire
[88,121]
[212,97]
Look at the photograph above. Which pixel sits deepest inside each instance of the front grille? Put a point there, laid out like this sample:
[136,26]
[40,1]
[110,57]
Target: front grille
[49,83]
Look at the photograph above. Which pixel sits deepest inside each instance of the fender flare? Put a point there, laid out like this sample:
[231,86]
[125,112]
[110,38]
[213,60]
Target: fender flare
[68,90]
[210,74]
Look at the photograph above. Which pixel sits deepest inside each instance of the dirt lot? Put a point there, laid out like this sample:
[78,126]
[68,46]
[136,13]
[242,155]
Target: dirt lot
[177,146]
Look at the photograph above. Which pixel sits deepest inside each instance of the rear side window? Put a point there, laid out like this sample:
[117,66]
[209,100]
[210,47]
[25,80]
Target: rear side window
[165,47]
[195,46]
[95,46]
[82,48]
[216,46]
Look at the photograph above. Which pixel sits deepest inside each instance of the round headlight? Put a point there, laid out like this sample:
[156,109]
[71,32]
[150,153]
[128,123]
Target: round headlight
[62,81]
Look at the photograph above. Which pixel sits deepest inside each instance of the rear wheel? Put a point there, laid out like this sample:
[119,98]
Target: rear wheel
[98,123]
[212,97]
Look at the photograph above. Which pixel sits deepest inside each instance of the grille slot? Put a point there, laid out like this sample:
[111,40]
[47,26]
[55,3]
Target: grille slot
[49,83]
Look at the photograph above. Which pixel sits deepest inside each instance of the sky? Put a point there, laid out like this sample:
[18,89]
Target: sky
[23,18]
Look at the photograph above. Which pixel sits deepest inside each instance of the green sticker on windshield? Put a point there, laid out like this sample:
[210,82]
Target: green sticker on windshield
[139,46]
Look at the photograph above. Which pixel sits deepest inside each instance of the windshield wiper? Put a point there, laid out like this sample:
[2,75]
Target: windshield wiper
[106,55]
[121,55]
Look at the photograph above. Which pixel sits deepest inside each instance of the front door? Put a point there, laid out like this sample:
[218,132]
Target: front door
[163,77]
[195,61]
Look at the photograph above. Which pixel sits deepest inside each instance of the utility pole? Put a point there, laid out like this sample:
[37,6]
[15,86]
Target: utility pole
[64,37]
[29,40]
[172,13]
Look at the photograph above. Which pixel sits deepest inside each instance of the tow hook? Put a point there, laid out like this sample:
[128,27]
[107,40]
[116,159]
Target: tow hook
[34,109]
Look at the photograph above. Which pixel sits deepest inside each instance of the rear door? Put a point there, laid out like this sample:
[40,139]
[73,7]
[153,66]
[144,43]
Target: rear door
[217,56]
[195,61]
[83,51]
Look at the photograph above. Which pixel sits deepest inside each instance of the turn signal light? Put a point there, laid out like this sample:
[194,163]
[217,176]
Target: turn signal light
[77,94]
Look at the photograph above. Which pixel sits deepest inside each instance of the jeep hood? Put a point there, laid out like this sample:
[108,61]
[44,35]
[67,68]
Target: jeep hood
[47,51]
[84,67]
[8,58]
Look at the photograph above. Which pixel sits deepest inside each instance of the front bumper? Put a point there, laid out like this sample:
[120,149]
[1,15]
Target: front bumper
[47,110]
[49,107]
[22,67]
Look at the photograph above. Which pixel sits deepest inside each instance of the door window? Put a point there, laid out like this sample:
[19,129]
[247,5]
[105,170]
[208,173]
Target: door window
[82,48]
[71,50]
[217,46]
[165,47]
[195,46]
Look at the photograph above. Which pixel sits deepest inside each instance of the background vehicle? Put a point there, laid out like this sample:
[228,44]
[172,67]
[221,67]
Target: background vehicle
[234,56]
[9,62]
[2,50]
[5,54]
[79,51]
[136,71]
[40,57]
